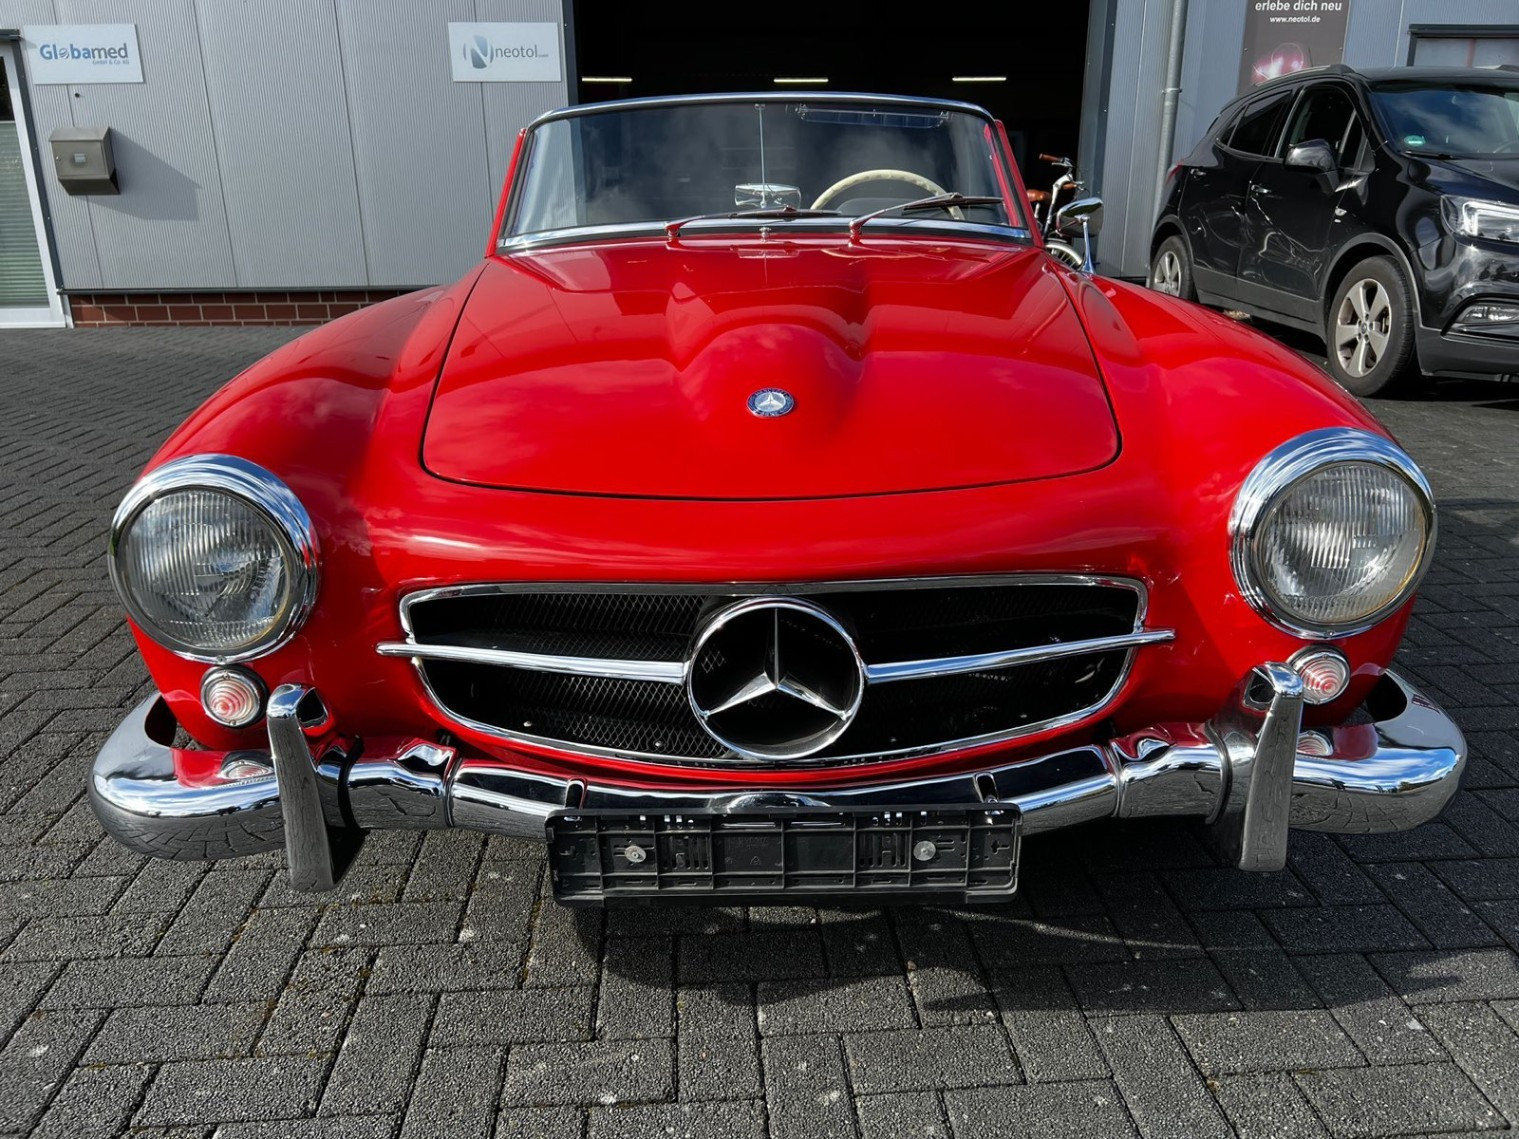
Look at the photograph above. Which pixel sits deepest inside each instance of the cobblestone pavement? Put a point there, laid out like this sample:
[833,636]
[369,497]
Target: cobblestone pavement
[1135,987]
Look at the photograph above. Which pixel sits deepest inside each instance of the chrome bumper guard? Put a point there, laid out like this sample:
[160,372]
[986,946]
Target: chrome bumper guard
[1251,772]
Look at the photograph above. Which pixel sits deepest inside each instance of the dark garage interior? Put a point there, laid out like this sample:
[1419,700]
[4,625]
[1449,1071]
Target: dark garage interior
[1024,63]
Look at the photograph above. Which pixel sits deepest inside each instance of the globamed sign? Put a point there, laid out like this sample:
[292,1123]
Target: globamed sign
[504,53]
[82,53]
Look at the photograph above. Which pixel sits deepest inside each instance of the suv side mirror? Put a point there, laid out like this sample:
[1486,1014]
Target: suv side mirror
[1315,154]
[1084,215]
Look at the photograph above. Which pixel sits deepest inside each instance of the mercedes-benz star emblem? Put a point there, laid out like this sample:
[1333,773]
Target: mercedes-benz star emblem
[775,678]
[767,403]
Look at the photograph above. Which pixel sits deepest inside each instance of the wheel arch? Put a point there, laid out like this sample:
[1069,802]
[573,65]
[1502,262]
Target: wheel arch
[1168,226]
[1364,246]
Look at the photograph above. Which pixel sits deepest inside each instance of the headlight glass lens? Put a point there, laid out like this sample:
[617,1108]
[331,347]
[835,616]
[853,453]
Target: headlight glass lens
[207,572]
[1473,217]
[1341,545]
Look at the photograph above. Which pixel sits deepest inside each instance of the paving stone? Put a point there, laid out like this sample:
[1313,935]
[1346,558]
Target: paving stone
[853,1005]
[1445,920]
[856,944]
[1151,986]
[762,956]
[1395,1101]
[95,1100]
[540,1123]
[156,1035]
[312,1010]
[806,1089]
[347,1127]
[1484,1046]
[565,947]
[1340,929]
[929,1059]
[636,999]
[1385,1029]
[1161,1089]
[620,1071]
[1481,880]
[1330,874]
[1146,917]
[944,975]
[1476,974]
[718,1067]
[1227,1043]
[378,1062]
[900,1114]
[454,1094]
[1267,1106]
[68,938]
[742,1120]
[522,1016]
[1047,1111]
[127,981]
[1045,1023]
[36,1062]
[1224,888]
[388,924]
[446,968]
[1069,941]
[717,1010]
[201,1091]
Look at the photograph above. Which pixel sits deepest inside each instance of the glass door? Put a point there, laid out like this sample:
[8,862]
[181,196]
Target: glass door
[28,296]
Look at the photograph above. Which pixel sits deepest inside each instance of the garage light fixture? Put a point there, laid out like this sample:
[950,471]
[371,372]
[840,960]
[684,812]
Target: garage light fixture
[606,79]
[817,80]
[978,79]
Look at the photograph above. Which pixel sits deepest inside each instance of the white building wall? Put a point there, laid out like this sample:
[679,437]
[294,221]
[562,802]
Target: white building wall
[286,143]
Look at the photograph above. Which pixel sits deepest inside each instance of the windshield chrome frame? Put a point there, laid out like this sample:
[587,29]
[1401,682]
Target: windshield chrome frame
[942,227]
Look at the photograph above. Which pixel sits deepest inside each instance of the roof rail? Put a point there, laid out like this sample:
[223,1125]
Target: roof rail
[1321,69]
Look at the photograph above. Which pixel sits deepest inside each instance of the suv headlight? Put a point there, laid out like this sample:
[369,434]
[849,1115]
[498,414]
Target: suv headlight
[1332,532]
[1473,217]
[214,558]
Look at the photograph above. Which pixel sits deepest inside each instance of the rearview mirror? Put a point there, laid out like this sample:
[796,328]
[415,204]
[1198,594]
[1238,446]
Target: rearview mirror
[1078,218]
[766,195]
[1315,154]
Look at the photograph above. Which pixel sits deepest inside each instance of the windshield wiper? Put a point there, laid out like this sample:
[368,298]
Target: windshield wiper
[934,202]
[780,213]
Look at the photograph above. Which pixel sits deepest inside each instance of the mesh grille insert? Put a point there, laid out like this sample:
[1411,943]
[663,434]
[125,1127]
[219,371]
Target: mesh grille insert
[654,719]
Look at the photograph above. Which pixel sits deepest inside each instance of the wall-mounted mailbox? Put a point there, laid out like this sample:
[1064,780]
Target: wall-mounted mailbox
[82,159]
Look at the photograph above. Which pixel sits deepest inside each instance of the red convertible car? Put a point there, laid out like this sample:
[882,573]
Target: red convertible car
[769,516]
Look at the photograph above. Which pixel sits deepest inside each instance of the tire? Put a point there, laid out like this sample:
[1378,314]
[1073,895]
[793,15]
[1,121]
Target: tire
[1171,269]
[1369,333]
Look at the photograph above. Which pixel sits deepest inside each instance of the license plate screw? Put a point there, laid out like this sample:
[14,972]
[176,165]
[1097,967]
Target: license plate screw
[635,854]
[924,851]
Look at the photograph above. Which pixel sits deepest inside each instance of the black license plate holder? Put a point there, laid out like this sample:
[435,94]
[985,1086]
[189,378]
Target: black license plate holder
[960,851]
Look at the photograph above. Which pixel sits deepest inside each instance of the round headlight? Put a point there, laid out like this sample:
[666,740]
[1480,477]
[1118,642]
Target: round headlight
[214,558]
[1332,532]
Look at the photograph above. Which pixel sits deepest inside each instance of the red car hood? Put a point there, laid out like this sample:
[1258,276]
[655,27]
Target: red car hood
[626,369]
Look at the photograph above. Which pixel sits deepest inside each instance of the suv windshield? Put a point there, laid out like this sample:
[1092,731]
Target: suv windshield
[1450,119]
[650,165]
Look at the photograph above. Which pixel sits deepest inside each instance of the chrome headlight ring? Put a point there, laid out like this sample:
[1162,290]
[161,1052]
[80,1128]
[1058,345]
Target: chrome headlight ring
[253,485]
[1280,471]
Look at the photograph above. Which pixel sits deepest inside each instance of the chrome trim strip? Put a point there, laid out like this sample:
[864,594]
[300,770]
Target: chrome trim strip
[980,662]
[740,591]
[262,490]
[880,227]
[749,97]
[663,672]
[1286,465]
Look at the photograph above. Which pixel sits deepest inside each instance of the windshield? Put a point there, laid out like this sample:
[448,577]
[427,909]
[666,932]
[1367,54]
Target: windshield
[1450,120]
[656,164]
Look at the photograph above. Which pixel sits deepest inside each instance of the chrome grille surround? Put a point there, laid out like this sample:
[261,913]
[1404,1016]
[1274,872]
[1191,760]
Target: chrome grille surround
[641,674]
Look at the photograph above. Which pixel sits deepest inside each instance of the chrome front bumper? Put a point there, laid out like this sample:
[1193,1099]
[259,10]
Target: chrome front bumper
[1251,772]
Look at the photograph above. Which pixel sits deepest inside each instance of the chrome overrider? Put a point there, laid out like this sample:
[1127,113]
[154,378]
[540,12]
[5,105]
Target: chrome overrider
[1251,772]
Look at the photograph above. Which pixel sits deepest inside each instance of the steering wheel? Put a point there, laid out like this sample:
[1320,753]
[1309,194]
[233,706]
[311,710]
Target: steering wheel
[864,176]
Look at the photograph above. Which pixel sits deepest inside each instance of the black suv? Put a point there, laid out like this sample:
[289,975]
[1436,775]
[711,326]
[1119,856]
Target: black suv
[1378,209]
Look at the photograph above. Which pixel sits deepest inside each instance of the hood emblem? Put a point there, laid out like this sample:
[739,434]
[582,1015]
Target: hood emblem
[767,403]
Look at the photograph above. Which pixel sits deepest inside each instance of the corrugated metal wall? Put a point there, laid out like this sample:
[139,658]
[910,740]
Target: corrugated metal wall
[286,143]
[1377,36]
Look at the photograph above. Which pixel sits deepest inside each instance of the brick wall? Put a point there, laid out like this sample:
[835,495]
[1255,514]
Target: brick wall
[95,310]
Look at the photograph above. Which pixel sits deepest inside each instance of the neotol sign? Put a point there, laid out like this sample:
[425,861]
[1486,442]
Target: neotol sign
[504,53]
[82,53]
